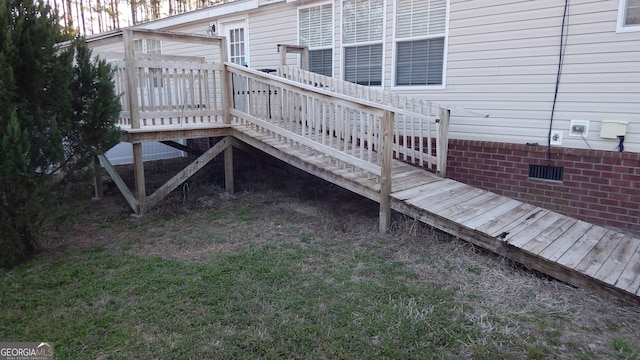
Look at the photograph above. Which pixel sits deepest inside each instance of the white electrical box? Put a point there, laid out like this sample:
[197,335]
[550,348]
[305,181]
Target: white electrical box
[613,129]
[579,128]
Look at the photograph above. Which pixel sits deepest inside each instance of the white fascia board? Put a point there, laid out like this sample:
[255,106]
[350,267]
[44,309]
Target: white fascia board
[201,14]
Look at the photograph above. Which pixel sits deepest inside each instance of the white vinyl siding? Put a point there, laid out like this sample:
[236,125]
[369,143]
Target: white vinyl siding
[420,42]
[315,32]
[362,39]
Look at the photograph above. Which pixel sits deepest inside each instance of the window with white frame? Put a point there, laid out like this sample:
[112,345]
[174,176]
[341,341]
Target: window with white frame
[630,14]
[315,32]
[362,36]
[237,46]
[420,38]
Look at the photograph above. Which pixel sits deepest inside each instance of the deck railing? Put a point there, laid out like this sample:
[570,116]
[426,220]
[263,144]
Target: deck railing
[166,89]
[344,128]
[171,90]
[420,127]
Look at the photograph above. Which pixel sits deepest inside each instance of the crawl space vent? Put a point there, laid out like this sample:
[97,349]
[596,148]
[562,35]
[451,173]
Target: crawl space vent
[546,172]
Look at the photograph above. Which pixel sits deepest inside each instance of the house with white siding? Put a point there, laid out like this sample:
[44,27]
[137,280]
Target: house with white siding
[545,94]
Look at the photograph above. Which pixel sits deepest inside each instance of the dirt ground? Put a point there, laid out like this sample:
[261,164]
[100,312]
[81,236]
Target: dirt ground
[286,198]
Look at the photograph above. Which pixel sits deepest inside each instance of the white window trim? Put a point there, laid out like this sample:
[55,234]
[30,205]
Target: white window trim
[395,42]
[223,25]
[382,41]
[620,27]
[333,35]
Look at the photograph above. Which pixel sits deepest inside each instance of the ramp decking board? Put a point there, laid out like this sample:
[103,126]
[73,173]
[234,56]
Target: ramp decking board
[552,227]
[557,248]
[600,253]
[439,193]
[493,214]
[615,264]
[467,205]
[495,227]
[445,200]
[517,225]
[538,243]
[574,255]
[474,211]
[629,279]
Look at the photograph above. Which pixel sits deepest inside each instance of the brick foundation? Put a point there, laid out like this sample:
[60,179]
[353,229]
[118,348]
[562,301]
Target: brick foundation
[601,187]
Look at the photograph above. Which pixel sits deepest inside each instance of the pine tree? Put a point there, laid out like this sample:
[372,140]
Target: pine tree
[92,127]
[54,118]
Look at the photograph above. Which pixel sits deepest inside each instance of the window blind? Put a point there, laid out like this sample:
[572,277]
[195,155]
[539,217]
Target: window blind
[362,21]
[321,62]
[420,62]
[315,29]
[363,65]
[420,18]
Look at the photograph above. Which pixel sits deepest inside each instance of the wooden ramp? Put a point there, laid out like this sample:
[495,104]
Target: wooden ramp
[573,251]
[347,134]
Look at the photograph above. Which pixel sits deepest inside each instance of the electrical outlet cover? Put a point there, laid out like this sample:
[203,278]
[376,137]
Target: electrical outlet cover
[584,123]
[556,138]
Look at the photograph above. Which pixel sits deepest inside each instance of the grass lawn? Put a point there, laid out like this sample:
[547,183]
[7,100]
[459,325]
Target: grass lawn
[274,272]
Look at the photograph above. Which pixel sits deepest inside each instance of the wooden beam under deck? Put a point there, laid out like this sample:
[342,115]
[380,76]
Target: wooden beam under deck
[174,132]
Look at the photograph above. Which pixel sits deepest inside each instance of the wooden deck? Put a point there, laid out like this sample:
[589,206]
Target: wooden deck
[348,135]
[573,251]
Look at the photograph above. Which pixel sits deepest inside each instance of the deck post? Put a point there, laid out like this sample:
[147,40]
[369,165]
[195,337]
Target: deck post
[228,169]
[227,89]
[97,180]
[302,50]
[442,141]
[134,112]
[385,175]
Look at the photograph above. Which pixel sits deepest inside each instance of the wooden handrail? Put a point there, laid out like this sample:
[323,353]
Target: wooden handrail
[277,80]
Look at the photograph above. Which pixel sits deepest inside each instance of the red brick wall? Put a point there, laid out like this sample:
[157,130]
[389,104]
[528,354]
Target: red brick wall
[601,187]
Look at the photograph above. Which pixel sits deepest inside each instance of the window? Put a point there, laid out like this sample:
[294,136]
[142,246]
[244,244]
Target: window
[315,30]
[363,65]
[362,31]
[420,41]
[629,15]
[237,46]
[321,61]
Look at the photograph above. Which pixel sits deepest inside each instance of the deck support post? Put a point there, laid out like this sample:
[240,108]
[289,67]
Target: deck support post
[228,169]
[97,180]
[301,50]
[385,172]
[225,84]
[138,172]
[442,141]
[134,114]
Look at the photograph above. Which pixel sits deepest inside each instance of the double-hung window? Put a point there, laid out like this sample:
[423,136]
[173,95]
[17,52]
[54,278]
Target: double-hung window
[420,41]
[362,36]
[315,31]
[629,15]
